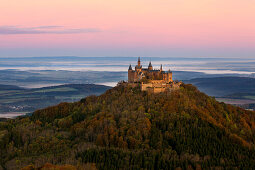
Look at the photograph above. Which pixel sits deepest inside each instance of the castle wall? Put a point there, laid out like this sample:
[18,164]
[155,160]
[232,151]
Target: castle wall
[158,90]
[144,87]
[158,86]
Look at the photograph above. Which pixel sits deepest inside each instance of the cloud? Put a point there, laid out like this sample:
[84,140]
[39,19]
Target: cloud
[50,29]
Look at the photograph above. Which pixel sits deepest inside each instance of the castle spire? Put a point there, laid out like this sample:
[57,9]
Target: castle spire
[150,66]
[139,62]
[161,68]
[130,67]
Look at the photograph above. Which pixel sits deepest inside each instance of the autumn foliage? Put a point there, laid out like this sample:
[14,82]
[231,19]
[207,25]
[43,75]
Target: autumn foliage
[126,128]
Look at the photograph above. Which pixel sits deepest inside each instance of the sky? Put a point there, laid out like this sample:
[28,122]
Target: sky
[163,28]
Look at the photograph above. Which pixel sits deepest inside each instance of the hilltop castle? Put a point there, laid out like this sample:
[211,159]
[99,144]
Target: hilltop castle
[150,79]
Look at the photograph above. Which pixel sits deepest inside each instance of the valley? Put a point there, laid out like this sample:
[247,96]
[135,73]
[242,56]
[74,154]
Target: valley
[16,101]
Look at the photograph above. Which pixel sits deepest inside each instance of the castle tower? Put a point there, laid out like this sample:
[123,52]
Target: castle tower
[138,67]
[169,76]
[139,62]
[130,74]
[150,66]
[161,68]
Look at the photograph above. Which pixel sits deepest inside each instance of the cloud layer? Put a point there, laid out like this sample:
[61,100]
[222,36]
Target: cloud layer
[49,29]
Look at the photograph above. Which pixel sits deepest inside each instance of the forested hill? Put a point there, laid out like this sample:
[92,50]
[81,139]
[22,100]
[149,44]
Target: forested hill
[125,128]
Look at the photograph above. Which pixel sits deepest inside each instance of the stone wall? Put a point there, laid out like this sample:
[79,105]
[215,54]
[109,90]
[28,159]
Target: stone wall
[158,86]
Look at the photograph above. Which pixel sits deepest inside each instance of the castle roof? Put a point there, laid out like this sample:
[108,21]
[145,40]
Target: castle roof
[149,69]
[154,70]
[150,64]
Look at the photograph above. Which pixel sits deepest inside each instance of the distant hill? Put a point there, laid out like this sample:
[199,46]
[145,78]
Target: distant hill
[42,78]
[14,99]
[239,91]
[223,86]
[9,87]
[125,128]
[86,88]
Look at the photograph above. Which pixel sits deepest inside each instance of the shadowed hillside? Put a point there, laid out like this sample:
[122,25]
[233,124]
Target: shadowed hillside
[125,128]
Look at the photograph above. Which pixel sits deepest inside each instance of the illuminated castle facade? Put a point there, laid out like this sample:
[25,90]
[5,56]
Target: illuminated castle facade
[150,79]
[140,74]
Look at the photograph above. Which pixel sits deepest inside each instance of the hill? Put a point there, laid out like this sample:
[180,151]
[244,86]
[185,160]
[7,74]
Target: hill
[14,99]
[224,86]
[125,128]
[10,87]
[238,91]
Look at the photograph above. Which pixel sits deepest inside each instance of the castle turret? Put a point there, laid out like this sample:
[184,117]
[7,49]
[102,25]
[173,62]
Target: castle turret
[130,67]
[150,66]
[138,67]
[130,74]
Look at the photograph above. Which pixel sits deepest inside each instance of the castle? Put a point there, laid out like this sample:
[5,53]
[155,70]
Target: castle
[152,80]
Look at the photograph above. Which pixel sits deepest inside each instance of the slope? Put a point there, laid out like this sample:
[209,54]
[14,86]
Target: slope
[125,128]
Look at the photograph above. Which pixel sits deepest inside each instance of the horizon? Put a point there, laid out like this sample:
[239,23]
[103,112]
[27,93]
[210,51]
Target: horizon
[156,57]
[242,66]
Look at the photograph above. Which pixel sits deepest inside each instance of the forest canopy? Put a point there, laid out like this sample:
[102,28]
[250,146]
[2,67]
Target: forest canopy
[125,128]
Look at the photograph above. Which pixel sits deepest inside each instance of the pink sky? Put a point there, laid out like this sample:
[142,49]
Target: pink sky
[115,27]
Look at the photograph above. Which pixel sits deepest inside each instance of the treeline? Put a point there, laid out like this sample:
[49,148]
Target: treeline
[115,158]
